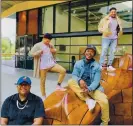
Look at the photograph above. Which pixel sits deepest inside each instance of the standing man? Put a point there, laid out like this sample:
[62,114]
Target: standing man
[110,27]
[85,83]
[44,61]
[23,108]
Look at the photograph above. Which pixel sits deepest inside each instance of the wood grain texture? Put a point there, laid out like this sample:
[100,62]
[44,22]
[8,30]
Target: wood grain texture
[67,108]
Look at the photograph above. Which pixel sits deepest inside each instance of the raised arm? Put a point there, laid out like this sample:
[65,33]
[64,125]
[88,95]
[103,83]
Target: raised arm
[100,26]
[52,49]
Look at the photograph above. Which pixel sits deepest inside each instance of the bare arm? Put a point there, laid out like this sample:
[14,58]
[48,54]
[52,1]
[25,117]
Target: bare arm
[4,121]
[38,121]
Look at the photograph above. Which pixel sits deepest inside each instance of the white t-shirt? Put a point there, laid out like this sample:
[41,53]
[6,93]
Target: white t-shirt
[47,59]
[113,26]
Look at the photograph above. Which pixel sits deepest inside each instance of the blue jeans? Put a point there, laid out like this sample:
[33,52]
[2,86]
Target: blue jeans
[111,45]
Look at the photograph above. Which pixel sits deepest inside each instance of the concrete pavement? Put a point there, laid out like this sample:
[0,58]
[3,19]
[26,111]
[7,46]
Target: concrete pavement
[9,76]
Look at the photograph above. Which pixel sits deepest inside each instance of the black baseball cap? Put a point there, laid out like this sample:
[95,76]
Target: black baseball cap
[48,36]
[91,47]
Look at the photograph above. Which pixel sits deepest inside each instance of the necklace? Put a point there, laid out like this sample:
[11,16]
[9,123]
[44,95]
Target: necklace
[18,105]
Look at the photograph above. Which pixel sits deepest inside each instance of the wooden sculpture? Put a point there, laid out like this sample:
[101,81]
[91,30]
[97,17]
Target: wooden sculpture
[67,108]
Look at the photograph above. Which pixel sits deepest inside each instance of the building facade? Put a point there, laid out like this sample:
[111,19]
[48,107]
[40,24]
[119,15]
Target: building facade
[73,25]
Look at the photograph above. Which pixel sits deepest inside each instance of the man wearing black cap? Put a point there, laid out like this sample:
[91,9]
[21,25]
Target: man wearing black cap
[44,62]
[23,108]
[85,83]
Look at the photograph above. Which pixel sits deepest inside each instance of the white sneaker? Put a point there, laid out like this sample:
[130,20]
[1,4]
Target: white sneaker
[91,104]
[104,124]
[58,87]
[110,68]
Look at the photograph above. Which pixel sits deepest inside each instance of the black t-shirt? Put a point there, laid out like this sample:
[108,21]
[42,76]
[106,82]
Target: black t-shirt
[16,116]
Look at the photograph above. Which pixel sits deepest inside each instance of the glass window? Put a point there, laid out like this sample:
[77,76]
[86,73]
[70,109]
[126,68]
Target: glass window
[47,20]
[95,40]
[76,49]
[97,10]
[62,57]
[124,11]
[59,50]
[53,42]
[32,21]
[62,45]
[99,49]
[61,18]
[78,15]
[121,50]
[21,24]
[65,65]
[125,39]
[77,43]
[74,57]
[65,41]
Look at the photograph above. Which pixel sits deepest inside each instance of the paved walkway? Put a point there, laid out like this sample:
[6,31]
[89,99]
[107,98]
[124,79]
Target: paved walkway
[9,76]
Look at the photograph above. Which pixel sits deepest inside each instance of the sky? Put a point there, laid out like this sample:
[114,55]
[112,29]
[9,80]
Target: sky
[8,29]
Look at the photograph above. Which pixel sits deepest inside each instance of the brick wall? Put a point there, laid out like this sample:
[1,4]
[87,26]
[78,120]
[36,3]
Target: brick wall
[121,108]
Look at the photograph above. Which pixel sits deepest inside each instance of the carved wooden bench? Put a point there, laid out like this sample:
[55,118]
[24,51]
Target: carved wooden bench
[67,108]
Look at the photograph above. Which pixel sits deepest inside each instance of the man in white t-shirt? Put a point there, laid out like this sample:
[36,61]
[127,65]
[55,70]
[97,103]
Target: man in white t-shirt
[111,28]
[44,61]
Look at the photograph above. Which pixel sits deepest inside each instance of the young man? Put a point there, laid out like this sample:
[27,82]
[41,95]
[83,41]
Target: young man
[44,61]
[110,27]
[23,108]
[85,83]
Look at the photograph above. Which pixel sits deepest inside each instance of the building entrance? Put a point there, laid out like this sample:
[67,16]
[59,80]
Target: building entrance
[23,46]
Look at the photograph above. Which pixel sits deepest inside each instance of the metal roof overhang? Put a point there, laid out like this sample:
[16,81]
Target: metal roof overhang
[28,5]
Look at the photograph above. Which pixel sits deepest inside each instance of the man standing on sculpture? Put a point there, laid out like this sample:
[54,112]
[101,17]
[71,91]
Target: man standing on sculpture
[85,83]
[44,61]
[110,27]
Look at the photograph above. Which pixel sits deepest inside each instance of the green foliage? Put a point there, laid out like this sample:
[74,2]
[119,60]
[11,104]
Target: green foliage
[7,46]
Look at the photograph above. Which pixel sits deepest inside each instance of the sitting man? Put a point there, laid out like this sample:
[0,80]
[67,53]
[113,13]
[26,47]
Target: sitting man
[85,83]
[23,108]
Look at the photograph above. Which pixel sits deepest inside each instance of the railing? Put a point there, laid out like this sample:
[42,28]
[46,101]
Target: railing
[7,56]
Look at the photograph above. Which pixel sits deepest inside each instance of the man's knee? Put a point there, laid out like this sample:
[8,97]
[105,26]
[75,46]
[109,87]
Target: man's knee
[42,81]
[112,52]
[105,101]
[104,51]
[70,82]
[63,71]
